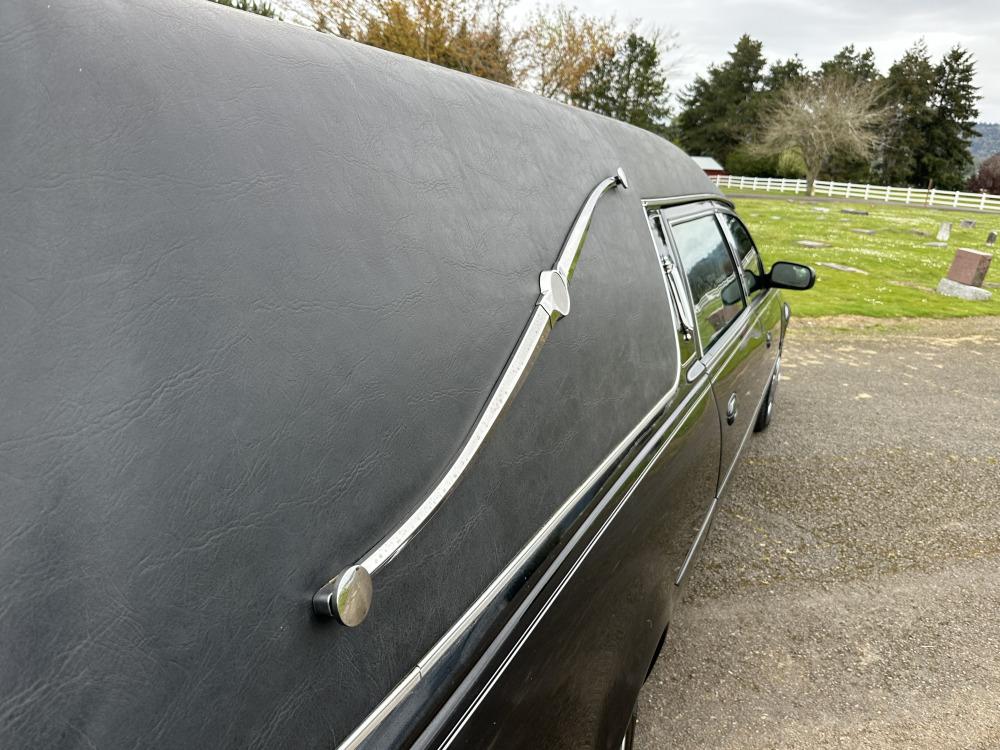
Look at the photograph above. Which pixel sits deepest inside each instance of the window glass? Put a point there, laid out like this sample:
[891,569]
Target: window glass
[715,289]
[753,269]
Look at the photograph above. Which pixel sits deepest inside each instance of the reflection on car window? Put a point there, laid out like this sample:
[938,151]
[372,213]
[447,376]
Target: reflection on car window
[753,269]
[711,276]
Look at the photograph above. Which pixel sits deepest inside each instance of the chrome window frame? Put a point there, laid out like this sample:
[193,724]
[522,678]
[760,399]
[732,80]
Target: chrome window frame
[707,355]
[703,204]
[678,299]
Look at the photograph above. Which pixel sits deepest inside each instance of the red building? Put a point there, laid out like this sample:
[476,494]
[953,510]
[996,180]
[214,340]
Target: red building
[709,166]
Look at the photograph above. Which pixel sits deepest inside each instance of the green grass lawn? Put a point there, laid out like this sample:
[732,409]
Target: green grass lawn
[903,271]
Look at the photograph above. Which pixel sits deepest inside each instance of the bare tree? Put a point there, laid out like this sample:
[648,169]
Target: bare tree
[561,46]
[468,35]
[821,117]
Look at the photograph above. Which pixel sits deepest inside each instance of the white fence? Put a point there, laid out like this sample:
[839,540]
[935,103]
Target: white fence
[912,196]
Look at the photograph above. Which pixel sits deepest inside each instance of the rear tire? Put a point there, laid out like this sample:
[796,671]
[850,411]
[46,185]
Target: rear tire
[767,408]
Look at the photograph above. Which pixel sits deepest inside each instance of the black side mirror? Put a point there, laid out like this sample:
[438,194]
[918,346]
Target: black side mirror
[786,275]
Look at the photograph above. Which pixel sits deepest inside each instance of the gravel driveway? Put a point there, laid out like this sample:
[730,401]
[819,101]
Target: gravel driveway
[849,593]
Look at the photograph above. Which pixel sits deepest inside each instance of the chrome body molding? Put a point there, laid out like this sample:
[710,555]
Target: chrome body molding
[352,587]
[658,443]
[515,569]
[376,717]
[698,539]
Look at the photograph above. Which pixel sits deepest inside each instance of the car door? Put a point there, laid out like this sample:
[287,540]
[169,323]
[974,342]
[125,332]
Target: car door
[580,647]
[731,340]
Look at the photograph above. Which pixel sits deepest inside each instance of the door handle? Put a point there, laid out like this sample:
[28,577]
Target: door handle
[768,339]
[731,410]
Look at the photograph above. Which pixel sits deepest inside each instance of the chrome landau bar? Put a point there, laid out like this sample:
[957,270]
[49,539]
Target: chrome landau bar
[348,596]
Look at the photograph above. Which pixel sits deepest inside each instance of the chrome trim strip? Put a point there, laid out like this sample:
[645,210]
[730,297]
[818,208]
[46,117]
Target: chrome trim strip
[680,415]
[515,567]
[698,539]
[682,199]
[376,717]
[454,634]
[335,598]
[531,341]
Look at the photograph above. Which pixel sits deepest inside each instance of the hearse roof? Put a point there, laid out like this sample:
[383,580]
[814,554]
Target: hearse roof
[259,282]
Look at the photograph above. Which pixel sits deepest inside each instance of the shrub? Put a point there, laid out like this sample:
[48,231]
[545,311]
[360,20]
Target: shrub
[987,179]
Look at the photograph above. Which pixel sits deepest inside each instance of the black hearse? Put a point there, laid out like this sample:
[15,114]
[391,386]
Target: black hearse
[348,401]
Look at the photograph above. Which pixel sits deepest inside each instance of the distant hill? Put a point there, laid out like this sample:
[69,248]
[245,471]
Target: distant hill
[988,142]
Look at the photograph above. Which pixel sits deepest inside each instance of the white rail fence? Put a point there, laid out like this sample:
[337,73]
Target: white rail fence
[911,196]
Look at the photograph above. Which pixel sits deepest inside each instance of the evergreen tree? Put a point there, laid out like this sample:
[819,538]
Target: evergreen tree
[783,72]
[910,86]
[722,110]
[859,67]
[251,6]
[947,160]
[628,84]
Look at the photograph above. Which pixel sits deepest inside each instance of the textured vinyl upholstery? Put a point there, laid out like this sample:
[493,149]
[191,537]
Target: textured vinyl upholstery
[256,283]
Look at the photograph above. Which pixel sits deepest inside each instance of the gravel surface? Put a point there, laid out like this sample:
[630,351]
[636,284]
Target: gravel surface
[849,593]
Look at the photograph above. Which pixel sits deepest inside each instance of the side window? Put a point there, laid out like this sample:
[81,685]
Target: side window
[753,269]
[715,288]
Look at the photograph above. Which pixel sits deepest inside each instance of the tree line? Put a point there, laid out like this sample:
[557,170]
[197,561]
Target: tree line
[845,121]
[912,126]
[556,51]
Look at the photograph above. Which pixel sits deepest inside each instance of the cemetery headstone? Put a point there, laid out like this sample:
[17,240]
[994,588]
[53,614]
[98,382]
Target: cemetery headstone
[944,233]
[969,267]
[991,239]
[951,288]
[846,269]
[967,224]
[854,211]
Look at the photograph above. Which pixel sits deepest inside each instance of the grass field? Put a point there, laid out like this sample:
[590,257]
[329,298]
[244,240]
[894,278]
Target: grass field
[902,270]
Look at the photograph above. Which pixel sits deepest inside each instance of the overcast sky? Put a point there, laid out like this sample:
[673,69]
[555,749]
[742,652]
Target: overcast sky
[816,30]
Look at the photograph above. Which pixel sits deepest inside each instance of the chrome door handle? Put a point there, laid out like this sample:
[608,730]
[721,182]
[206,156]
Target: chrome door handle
[696,370]
[348,597]
[731,410]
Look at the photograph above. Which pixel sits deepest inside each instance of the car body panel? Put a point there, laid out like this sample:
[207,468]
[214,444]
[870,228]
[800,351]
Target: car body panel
[259,283]
[602,615]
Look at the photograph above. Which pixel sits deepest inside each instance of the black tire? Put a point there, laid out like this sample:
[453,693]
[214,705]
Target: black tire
[767,407]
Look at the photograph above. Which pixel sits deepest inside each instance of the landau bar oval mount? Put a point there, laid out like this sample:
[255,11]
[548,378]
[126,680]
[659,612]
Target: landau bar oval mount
[348,596]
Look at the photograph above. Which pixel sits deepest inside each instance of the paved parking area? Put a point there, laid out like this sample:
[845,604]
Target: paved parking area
[849,593]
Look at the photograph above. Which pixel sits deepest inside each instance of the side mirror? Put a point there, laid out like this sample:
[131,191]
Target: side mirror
[785,275]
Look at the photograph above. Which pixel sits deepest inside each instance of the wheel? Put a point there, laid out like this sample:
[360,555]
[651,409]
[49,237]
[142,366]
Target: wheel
[629,739]
[767,408]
